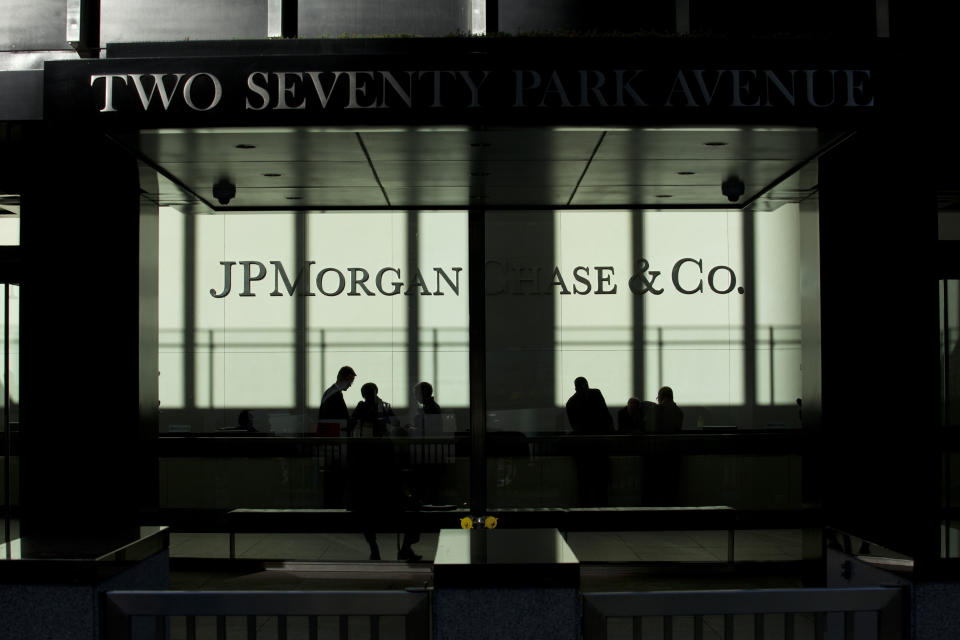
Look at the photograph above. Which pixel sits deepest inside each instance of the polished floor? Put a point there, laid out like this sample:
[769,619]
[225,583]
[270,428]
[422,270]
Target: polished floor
[765,545]
[627,561]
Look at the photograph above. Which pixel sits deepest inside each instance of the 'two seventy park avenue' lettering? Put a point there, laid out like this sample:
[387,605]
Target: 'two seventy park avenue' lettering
[686,277]
[473,89]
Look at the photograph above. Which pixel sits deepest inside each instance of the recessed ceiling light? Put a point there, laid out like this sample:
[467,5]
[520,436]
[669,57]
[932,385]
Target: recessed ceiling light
[715,143]
[271,175]
[246,146]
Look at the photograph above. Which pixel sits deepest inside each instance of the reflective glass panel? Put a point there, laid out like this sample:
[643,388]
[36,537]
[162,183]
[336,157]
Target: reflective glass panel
[592,314]
[259,314]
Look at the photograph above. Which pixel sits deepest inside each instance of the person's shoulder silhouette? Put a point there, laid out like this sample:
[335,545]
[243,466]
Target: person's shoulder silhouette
[587,410]
[630,417]
[669,416]
[332,404]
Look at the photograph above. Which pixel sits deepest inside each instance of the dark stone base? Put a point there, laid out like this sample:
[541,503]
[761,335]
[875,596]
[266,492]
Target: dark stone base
[495,614]
[72,611]
[935,611]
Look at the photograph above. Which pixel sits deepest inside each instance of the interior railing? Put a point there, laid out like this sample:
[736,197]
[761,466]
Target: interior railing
[329,614]
[870,613]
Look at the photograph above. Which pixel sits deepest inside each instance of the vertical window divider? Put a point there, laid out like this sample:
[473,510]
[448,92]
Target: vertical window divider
[476,224]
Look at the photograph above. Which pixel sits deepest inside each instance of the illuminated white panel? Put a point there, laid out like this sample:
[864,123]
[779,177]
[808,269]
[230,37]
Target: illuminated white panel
[171,308]
[777,295]
[444,319]
[14,333]
[171,366]
[694,340]
[593,331]
[244,344]
[365,331]
[9,230]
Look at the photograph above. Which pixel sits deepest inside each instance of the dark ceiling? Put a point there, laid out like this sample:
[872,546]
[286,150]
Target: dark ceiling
[444,168]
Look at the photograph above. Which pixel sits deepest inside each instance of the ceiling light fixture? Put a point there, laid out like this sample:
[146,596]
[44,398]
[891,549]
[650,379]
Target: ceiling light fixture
[591,129]
[442,129]
[694,129]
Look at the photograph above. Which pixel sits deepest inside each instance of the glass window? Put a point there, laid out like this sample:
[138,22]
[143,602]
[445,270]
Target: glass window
[258,313]
[704,302]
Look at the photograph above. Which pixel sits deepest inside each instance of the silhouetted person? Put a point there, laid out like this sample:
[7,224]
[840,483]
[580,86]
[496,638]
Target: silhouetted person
[587,410]
[425,405]
[373,416]
[661,471]
[423,393]
[332,404]
[332,421]
[630,418]
[378,492]
[669,417]
[427,421]
[588,415]
[245,420]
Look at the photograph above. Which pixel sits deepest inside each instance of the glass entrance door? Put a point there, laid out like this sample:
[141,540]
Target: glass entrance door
[949,415]
[10,384]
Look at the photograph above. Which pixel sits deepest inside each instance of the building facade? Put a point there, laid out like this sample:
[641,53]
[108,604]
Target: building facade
[751,206]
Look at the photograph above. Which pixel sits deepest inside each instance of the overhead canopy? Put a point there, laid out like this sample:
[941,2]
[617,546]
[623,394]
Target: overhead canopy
[458,167]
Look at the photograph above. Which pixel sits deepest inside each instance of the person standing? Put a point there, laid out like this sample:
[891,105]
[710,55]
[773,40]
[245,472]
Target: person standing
[332,404]
[662,472]
[587,410]
[424,405]
[588,415]
[669,415]
[379,493]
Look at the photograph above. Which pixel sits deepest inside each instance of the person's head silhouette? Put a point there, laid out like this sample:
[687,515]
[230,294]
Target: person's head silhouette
[664,395]
[345,377]
[423,391]
[369,391]
[580,384]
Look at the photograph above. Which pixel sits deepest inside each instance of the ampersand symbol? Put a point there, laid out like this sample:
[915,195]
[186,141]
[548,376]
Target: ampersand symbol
[639,283]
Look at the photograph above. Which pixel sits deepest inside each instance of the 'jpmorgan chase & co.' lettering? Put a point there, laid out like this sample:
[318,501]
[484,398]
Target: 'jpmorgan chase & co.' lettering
[687,276]
[330,281]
